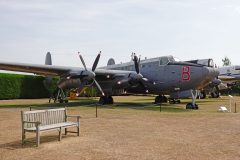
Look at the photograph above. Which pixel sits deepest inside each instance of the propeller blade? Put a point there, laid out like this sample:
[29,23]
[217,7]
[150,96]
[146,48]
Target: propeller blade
[135,59]
[96,61]
[145,79]
[81,58]
[99,87]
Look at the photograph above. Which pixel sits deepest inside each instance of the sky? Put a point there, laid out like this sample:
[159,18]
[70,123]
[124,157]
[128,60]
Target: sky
[186,29]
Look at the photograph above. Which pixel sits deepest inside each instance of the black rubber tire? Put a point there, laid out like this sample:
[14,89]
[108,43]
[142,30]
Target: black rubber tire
[191,106]
[60,100]
[110,100]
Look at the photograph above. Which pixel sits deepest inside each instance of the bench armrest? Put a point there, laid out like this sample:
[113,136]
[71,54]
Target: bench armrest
[74,116]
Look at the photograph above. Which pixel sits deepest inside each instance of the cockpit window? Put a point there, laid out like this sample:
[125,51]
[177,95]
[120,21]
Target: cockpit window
[164,60]
[176,59]
[210,63]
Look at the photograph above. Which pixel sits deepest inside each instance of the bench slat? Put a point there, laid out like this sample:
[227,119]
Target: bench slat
[46,117]
[53,126]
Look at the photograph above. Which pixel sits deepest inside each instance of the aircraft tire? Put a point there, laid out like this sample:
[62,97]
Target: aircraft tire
[110,100]
[102,100]
[191,106]
[164,99]
[60,100]
[161,99]
[106,100]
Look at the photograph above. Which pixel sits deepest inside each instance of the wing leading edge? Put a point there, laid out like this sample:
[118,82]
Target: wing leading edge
[48,70]
[35,68]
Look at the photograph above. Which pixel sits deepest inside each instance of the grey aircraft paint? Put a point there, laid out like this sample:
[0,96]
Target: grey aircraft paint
[161,75]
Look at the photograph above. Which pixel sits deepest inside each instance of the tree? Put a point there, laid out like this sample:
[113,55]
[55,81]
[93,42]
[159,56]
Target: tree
[226,61]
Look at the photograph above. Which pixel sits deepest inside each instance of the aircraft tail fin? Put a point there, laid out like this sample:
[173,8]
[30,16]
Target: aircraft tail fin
[48,79]
[111,62]
[48,59]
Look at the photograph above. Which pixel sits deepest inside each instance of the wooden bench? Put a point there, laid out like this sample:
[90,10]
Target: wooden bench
[46,120]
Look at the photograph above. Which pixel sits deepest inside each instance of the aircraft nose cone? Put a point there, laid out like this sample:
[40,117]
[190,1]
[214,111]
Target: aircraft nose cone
[210,73]
[214,72]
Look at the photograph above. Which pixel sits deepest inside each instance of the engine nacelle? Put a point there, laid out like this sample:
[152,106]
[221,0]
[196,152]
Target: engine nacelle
[69,83]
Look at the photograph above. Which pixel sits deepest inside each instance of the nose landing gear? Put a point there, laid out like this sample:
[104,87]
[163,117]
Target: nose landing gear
[193,105]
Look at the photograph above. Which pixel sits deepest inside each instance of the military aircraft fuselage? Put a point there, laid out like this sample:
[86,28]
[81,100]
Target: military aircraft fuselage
[165,75]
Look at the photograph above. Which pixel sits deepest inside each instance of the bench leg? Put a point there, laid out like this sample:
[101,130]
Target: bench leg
[23,136]
[65,131]
[38,137]
[78,129]
[60,134]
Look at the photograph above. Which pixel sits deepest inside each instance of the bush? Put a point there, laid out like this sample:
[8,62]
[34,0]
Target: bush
[13,86]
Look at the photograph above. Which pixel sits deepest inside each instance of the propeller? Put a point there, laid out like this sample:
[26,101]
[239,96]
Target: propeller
[96,61]
[81,58]
[136,63]
[141,78]
[90,75]
[136,78]
[137,69]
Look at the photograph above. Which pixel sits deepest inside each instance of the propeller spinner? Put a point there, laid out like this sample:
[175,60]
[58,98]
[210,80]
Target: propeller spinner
[91,74]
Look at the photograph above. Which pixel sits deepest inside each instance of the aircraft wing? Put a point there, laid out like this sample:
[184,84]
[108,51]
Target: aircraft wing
[227,78]
[35,68]
[48,70]
[106,78]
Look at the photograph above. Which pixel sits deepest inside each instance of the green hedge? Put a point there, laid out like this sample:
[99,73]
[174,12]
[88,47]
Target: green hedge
[14,86]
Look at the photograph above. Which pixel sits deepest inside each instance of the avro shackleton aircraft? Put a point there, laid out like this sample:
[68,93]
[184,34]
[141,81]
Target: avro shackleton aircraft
[160,76]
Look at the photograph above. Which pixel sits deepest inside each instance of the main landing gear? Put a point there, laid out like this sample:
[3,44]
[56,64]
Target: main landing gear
[161,99]
[58,95]
[193,105]
[105,100]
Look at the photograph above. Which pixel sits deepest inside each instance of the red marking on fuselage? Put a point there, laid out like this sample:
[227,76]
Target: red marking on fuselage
[186,73]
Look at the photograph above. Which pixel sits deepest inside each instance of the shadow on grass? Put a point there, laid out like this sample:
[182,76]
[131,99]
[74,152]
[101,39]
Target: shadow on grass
[31,142]
[165,107]
[209,100]
[143,99]
[153,107]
